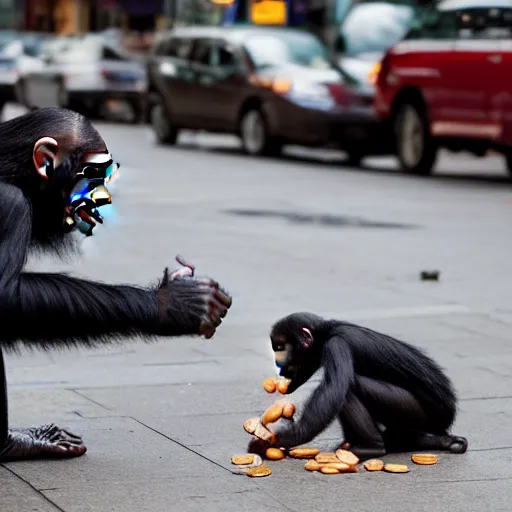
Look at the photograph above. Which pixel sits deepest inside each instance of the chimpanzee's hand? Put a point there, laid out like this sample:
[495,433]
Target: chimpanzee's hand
[190,305]
[284,430]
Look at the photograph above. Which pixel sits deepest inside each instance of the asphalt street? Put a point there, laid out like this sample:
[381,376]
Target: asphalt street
[301,233]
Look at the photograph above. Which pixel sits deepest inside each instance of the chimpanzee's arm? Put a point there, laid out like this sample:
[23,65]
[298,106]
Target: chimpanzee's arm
[54,309]
[328,398]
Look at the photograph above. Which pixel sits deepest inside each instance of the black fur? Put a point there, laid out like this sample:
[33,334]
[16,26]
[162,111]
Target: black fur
[401,387]
[49,310]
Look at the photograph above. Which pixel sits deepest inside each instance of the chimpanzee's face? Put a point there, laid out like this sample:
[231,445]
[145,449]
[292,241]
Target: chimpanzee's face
[283,356]
[290,351]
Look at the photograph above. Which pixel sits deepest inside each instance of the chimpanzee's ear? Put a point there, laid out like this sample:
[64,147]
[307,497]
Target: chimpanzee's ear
[45,151]
[307,338]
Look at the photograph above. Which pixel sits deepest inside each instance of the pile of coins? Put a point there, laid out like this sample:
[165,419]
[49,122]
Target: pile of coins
[327,463]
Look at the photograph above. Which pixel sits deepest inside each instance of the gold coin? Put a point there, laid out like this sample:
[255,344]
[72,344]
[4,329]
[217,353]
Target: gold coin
[270,385]
[274,454]
[326,470]
[251,424]
[340,466]
[241,460]
[396,468]
[304,453]
[324,457]
[347,457]
[424,459]
[289,410]
[374,465]
[259,471]
[312,465]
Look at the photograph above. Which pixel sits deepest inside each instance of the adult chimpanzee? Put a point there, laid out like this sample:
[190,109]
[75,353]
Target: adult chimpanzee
[388,395]
[53,169]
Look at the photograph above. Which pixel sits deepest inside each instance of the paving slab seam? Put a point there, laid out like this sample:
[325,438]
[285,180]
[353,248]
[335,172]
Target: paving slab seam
[272,497]
[45,498]
[179,444]
[504,479]
[497,448]
[183,363]
[89,399]
[479,398]
[469,330]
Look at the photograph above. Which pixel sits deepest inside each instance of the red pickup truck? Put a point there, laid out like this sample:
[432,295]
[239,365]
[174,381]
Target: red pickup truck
[448,84]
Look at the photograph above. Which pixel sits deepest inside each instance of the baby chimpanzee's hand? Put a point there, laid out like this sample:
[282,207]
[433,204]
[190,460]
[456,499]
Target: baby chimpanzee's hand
[190,305]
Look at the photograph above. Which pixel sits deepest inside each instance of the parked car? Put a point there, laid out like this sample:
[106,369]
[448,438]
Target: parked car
[369,29]
[83,73]
[269,86]
[446,84]
[18,54]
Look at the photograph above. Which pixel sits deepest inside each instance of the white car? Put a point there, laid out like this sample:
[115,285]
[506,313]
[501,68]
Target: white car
[83,73]
[19,54]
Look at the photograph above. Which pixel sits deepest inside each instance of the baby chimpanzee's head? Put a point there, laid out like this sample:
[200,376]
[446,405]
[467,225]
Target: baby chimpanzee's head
[61,163]
[293,339]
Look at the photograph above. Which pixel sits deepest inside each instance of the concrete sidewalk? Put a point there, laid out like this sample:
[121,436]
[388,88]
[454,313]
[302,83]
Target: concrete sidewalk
[162,421]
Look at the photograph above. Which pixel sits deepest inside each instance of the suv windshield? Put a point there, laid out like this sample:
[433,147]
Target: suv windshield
[374,27]
[302,49]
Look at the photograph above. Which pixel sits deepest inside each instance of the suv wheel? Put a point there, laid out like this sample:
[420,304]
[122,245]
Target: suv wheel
[415,147]
[508,158]
[354,158]
[161,123]
[254,135]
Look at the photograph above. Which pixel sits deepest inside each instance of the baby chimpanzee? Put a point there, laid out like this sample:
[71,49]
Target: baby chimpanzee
[388,395]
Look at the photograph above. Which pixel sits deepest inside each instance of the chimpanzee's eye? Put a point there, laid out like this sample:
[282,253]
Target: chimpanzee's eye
[279,347]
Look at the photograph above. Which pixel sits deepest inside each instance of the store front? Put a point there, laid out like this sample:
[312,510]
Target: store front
[8,14]
[267,12]
[141,16]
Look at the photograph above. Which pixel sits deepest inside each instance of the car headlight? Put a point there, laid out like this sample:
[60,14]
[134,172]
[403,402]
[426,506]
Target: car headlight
[374,73]
[311,95]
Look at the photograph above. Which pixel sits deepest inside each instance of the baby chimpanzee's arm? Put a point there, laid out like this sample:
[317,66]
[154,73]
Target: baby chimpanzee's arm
[328,398]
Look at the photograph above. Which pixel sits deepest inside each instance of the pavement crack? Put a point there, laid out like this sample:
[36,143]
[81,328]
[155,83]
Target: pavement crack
[38,491]
[183,363]
[90,400]
[490,449]
[179,444]
[273,498]
[492,371]
[478,398]
[463,481]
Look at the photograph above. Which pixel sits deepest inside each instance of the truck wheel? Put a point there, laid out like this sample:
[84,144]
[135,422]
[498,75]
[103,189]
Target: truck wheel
[415,146]
[508,160]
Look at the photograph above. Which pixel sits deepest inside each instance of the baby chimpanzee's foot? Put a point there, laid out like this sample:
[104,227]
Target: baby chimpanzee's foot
[447,443]
[365,452]
[458,444]
[45,442]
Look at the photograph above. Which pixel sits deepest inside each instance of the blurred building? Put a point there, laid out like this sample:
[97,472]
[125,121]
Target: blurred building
[78,16]
[10,14]
[139,19]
